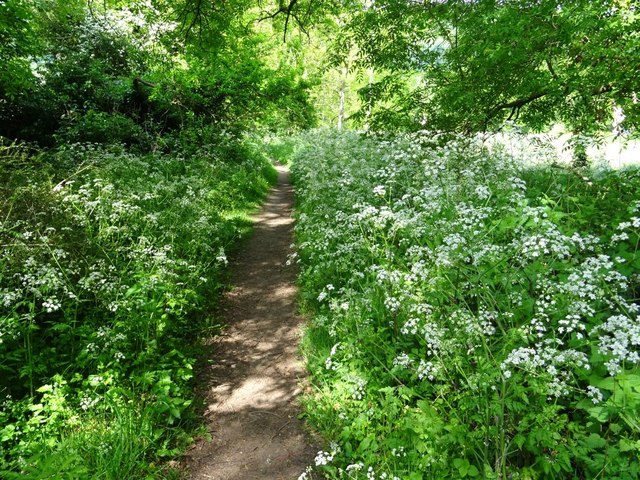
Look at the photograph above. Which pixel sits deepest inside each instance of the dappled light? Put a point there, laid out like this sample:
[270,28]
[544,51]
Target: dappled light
[451,290]
[251,388]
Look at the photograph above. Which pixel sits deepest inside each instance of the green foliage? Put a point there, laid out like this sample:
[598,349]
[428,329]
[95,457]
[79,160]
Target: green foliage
[18,39]
[115,239]
[85,60]
[280,149]
[70,71]
[102,128]
[475,314]
[469,66]
[110,262]
[116,442]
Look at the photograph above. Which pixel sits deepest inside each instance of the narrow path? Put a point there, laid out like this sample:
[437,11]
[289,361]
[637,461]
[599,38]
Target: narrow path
[254,378]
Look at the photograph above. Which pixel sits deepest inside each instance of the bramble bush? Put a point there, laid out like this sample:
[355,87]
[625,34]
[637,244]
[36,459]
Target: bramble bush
[475,313]
[109,263]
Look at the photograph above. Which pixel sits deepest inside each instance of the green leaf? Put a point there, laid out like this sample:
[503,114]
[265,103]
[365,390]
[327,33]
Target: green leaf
[629,381]
[463,466]
[595,441]
[603,383]
[7,433]
[600,413]
[627,445]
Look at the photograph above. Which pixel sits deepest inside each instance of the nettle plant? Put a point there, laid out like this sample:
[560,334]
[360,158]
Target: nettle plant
[476,314]
[102,272]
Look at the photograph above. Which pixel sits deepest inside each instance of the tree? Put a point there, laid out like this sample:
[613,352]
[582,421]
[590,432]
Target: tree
[471,65]
[73,69]
[18,39]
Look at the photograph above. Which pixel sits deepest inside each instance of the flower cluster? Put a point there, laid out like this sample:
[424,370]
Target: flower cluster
[469,275]
[101,274]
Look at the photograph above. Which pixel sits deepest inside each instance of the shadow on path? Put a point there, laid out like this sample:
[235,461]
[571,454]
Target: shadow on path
[252,385]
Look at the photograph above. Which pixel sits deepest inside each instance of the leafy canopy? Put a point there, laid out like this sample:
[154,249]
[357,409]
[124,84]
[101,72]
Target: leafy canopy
[470,65]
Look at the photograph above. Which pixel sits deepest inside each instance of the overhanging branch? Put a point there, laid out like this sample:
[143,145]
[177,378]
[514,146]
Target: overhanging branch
[288,11]
[516,105]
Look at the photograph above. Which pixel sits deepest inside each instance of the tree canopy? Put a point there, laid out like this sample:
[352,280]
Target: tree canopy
[472,65]
[76,69]
[456,65]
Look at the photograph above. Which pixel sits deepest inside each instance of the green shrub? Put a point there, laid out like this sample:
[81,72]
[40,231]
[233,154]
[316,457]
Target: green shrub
[103,128]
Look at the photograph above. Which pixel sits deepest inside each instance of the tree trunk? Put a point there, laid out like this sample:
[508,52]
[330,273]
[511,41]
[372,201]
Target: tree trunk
[343,87]
[369,99]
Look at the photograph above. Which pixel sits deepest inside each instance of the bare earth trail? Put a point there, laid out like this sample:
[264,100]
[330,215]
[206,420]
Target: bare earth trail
[253,381]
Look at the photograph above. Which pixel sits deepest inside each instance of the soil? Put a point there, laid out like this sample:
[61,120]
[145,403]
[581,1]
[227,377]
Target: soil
[255,374]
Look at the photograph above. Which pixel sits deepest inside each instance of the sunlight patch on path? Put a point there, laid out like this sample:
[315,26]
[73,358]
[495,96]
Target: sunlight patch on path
[255,377]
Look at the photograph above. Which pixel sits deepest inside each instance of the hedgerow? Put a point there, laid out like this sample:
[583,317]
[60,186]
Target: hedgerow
[474,313]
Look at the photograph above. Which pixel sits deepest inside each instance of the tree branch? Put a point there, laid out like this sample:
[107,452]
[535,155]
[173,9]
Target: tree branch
[144,82]
[551,70]
[516,105]
[287,10]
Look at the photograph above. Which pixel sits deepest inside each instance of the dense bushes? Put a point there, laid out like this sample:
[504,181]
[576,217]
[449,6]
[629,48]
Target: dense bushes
[77,72]
[475,315]
[108,262]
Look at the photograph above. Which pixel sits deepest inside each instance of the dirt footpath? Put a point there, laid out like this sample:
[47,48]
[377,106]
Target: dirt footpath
[254,377]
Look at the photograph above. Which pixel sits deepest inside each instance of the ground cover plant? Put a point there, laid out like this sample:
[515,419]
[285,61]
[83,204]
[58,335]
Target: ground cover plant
[109,261]
[474,313]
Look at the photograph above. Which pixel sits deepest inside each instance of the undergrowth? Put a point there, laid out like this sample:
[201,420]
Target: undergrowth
[475,315]
[110,262]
